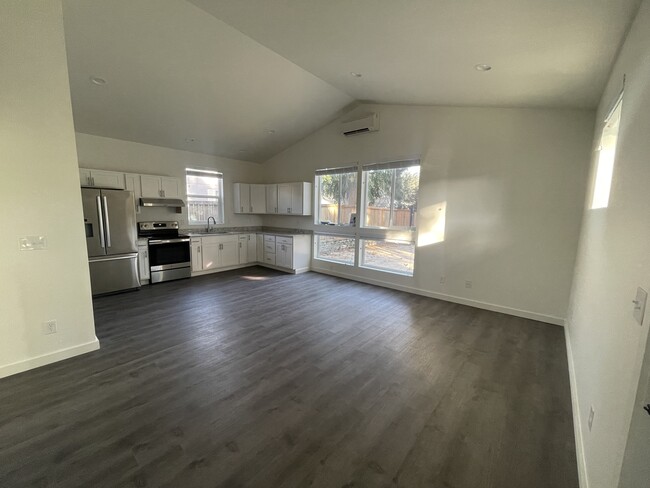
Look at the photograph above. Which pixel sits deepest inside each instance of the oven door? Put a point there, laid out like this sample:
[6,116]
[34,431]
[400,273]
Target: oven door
[169,253]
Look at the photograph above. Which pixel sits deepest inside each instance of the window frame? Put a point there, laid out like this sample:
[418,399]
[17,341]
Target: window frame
[362,253]
[360,232]
[603,176]
[317,194]
[394,166]
[220,218]
[353,237]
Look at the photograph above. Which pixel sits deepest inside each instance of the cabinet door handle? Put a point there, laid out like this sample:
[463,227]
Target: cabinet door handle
[146,254]
[198,249]
[288,210]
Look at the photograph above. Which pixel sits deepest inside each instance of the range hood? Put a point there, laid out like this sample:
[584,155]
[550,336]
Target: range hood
[162,202]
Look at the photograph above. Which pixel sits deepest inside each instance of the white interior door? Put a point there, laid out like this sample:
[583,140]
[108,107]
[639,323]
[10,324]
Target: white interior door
[636,463]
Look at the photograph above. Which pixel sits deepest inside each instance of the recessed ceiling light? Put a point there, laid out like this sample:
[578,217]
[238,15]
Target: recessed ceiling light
[191,139]
[482,67]
[270,131]
[97,80]
[355,74]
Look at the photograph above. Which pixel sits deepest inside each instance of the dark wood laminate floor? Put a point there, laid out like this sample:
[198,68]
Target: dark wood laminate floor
[253,378]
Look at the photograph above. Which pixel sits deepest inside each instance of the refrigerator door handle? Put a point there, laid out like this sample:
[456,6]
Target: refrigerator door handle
[108,226]
[101,222]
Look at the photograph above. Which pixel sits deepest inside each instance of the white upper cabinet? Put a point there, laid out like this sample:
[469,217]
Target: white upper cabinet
[160,186]
[101,179]
[294,198]
[242,198]
[258,199]
[271,199]
[249,198]
[171,187]
[132,183]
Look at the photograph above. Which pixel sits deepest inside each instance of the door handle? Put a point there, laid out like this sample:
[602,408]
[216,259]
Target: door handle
[102,238]
[108,225]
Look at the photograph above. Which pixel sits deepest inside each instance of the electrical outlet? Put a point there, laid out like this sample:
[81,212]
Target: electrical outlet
[49,327]
[590,422]
[443,280]
[468,284]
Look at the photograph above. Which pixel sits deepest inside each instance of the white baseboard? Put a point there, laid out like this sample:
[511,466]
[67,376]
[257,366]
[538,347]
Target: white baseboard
[549,319]
[577,419]
[51,357]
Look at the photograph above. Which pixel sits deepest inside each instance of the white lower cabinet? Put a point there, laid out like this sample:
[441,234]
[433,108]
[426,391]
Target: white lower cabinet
[243,249]
[284,254]
[219,252]
[251,244]
[290,253]
[143,260]
[287,252]
[197,260]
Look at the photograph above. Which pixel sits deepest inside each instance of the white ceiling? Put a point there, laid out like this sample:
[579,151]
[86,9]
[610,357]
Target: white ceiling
[225,71]
[174,72]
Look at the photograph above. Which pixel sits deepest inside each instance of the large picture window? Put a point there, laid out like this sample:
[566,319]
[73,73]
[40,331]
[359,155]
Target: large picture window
[390,194]
[336,190]
[339,249]
[388,255]
[204,196]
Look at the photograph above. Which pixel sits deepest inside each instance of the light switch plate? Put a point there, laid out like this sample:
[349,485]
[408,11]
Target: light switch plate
[32,243]
[639,304]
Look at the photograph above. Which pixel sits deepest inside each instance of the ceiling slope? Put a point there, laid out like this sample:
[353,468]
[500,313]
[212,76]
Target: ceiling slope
[544,53]
[180,78]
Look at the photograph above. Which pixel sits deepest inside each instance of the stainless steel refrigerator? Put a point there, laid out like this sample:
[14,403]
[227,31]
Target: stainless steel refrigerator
[109,221]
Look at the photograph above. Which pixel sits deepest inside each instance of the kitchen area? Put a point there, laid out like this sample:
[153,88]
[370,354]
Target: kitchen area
[136,236]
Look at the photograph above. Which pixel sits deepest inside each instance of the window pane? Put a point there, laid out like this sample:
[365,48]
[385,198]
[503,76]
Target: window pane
[378,197]
[203,185]
[335,248]
[393,256]
[407,182]
[338,198]
[204,197]
[348,198]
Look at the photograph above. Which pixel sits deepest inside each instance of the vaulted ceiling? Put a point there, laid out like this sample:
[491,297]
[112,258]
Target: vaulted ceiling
[247,78]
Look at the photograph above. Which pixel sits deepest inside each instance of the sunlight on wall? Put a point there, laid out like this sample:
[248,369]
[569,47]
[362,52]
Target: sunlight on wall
[606,157]
[431,224]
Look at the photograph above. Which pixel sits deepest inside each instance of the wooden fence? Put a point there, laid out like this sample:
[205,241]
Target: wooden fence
[376,216]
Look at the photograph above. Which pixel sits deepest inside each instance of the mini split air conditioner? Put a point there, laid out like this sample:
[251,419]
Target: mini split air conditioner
[369,123]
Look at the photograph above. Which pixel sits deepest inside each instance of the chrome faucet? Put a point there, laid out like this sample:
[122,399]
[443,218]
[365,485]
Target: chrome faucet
[213,220]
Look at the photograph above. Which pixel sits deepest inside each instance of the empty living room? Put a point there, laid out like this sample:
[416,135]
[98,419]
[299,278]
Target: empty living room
[325,243]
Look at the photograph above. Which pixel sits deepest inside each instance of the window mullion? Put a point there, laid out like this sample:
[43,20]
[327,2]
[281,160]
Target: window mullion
[338,214]
[392,198]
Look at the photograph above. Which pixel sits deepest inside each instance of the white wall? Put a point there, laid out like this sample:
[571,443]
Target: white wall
[513,180]
[613,260]
[117,155]
[39,192]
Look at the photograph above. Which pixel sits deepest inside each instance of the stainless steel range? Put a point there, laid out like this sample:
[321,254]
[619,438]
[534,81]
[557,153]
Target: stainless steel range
[169,251]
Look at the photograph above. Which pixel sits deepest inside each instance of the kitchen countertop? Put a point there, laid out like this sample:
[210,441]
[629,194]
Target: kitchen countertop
[224,231]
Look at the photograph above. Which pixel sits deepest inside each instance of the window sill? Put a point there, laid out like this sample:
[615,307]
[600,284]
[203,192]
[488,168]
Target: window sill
[344,263]
[386,270]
